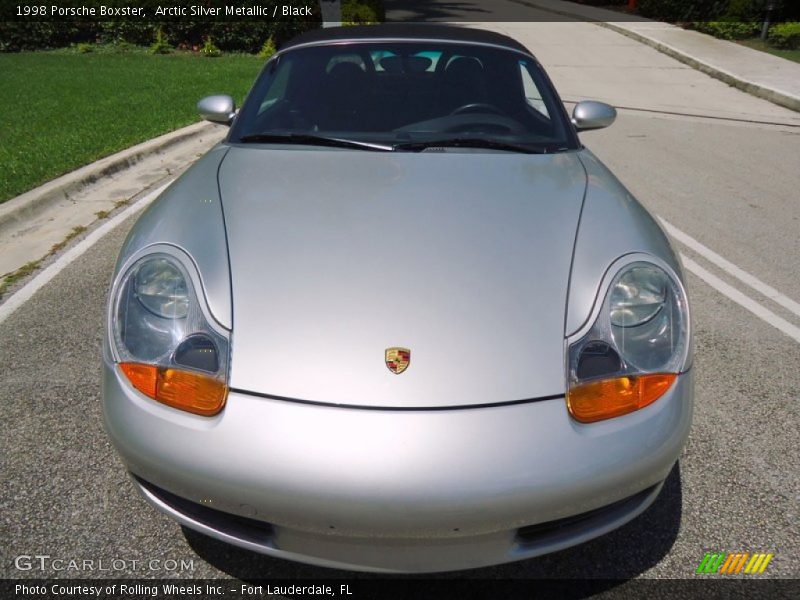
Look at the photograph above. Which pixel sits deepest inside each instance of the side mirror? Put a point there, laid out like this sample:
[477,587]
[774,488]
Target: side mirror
[217,109]
[592,115]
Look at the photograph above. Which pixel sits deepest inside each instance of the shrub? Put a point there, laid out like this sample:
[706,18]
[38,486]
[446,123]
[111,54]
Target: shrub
[124,46]
[209,49]
[36,35]
[380,11]
[715,10]
[268,49]
[746,10]
[729,29]
[161,45]
[133,31]
[682,10]
[241,36]
[602,2]
[84,48]
[355,13]
[785,35]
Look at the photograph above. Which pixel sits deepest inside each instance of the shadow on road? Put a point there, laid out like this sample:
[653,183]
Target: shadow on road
[619,555]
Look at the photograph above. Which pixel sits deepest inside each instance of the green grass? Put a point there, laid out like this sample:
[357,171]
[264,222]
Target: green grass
[62,110]
[758,44]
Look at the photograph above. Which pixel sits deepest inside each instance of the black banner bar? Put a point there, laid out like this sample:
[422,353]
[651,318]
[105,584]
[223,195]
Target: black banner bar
[260,11]
[395,588]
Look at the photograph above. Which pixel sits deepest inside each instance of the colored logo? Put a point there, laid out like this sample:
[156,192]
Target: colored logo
[397,359]
[729,564]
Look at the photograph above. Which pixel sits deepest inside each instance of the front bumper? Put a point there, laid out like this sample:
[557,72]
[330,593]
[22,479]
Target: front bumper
[397,491]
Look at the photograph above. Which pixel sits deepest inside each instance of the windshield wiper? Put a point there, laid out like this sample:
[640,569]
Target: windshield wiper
[470,143]
[312,140]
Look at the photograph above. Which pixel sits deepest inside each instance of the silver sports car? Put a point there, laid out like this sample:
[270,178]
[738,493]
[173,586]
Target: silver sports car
[400,320]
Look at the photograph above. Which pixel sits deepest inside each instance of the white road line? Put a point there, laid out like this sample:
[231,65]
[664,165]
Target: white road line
[731,268]
[744,301]
[34,285]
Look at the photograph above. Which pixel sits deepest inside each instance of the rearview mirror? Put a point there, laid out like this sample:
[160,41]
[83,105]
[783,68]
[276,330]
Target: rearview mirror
[592,115]
[217,109]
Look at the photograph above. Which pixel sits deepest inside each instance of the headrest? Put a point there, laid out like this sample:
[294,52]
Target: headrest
[346,71]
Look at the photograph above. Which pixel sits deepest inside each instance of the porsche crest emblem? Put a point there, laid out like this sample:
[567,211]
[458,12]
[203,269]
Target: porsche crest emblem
[397,359]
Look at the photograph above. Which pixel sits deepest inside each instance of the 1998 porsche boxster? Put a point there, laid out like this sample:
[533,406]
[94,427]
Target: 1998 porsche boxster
[400,319]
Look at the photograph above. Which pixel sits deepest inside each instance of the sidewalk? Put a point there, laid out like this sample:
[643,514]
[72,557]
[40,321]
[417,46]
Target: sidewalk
[758,73]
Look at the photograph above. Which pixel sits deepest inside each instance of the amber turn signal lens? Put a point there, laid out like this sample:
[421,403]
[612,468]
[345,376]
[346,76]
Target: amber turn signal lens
[192,392]
[142,377]
[608,398]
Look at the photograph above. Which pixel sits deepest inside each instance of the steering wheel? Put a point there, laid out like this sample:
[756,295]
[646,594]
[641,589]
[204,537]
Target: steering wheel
[483,123]
[477,107]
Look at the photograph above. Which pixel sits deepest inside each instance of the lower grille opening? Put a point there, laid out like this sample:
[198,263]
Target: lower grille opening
[244,528]
[261,532]
[535,533]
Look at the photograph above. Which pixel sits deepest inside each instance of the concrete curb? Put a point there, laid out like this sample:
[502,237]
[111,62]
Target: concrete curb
[35,201]
[598,16]
[755,89]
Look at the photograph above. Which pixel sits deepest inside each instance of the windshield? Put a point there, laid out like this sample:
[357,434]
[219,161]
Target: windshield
[407,96]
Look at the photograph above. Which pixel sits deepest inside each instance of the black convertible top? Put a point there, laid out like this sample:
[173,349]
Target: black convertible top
[406,31]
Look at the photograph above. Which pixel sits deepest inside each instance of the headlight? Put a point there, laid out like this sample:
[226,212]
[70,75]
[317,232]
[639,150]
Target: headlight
[165,345]
[638,296]
[635,349]
[161,288]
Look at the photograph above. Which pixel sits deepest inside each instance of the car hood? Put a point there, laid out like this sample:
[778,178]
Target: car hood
[461,257]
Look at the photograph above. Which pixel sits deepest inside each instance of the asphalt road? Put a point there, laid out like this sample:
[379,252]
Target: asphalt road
[731,184]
